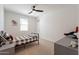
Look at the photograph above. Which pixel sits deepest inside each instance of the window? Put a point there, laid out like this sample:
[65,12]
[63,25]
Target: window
[23,24]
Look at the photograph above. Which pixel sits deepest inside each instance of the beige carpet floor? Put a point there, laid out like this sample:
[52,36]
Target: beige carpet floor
[44,48]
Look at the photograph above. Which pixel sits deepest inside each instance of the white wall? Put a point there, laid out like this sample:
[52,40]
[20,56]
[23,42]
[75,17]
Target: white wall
[56,21]
[78,15]
[78,24]
[15,30]
[1,17]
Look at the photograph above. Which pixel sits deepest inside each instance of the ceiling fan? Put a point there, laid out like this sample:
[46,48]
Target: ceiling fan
[33,9]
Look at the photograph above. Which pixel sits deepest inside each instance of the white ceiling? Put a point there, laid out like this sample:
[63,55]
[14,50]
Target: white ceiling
[21,8]
[25,8]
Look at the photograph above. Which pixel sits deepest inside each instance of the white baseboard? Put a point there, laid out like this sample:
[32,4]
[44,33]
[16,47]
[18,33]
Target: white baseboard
[53,40]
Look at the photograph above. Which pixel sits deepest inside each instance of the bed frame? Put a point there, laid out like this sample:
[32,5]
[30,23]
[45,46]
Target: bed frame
[26,39]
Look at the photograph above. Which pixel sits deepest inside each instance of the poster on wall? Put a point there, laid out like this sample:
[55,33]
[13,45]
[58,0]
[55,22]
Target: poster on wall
[14,23]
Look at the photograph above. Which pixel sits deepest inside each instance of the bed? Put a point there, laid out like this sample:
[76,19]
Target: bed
[22,40]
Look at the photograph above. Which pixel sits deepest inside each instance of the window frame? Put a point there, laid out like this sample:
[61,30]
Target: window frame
[21,24]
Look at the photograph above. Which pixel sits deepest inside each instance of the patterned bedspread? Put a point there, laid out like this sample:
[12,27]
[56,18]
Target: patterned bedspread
[23,39]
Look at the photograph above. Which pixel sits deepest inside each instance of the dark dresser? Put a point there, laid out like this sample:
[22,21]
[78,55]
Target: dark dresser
[62,47]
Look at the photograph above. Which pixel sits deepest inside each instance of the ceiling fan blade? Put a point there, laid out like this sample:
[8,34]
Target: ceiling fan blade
[38,10]
[30,12]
